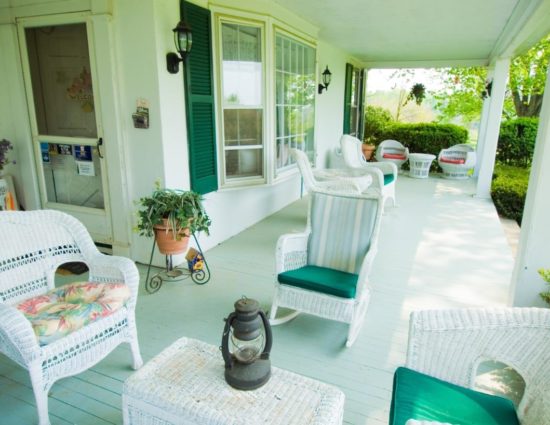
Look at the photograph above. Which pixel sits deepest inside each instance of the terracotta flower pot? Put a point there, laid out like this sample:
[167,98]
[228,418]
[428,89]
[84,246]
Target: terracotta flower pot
[166,242]
[368,150]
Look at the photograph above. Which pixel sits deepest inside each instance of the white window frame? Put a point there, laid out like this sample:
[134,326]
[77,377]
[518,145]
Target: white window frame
[226,182]
[278,171]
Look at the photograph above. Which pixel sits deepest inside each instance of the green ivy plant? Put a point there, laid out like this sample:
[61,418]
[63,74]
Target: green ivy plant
[545,274]
[182,209]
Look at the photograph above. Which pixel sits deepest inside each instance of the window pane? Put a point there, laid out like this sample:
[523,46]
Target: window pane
[243,163]
[295,96]
[242,65]
[61,80]
[242,127]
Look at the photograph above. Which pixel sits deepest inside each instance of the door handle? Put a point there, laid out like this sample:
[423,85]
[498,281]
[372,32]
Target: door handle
[98,146]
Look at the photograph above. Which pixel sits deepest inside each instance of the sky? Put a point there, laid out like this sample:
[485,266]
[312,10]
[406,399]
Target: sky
[381,80]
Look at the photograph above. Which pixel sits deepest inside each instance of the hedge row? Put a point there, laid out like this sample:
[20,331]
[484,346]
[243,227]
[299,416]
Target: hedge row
[426,138]
[508,190]
[516,141]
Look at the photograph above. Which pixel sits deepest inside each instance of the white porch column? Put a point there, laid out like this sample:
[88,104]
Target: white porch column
[483,126]
[494,116]
[534,243]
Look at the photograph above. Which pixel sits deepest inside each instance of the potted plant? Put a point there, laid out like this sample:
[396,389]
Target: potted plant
[418,93]
[5,146]
[368,148]
[172,215]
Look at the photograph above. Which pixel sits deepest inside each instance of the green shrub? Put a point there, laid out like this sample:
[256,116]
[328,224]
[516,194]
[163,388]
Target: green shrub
[426,137]
[509,189]
[376,120]
[516,141]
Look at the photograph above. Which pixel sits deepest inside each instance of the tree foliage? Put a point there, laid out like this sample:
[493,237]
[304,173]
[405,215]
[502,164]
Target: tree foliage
[464,87]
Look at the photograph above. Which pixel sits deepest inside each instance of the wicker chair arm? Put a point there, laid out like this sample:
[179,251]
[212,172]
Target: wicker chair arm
[17,336]
[385,168]
[291,252]
[105,268]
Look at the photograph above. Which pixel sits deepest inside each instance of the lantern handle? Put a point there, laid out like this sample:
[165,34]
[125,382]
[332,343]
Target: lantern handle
[268,336]
[225,341]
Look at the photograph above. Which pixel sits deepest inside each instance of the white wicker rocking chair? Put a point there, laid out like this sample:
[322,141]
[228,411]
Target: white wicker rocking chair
[324,271]
[450,344]
[384,174]
[33,245]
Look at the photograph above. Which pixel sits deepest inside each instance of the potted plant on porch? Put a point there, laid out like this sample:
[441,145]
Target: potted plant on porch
[171,216]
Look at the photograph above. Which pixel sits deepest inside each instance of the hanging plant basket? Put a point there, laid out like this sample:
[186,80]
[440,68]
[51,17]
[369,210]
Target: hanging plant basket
[418,93]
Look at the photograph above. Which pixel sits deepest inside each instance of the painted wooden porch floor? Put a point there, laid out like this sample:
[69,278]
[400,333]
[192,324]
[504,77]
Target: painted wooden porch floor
[440,248]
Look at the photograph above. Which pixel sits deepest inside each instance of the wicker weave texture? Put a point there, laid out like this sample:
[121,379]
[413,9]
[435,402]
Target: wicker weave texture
[34,244]
[185,384]
[450,345]
[457,152]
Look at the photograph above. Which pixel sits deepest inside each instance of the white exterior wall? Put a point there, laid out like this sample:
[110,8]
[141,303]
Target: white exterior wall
[140,36]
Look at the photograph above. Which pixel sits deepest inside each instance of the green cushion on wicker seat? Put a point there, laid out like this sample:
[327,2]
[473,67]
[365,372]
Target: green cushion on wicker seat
[388,178]
[422,397]
[321,279]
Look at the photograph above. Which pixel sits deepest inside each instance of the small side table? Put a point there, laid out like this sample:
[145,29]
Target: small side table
[419,164]
[185,385]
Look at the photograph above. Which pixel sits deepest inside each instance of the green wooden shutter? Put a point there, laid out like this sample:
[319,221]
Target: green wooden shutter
[361,104]
[347,98]
[199,97]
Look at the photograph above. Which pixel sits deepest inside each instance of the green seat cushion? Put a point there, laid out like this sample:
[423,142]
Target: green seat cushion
[388,178]
[422,397]
[321,279]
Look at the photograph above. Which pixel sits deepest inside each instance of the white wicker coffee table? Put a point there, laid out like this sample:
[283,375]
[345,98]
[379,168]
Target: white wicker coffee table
[419,164]
[185,384]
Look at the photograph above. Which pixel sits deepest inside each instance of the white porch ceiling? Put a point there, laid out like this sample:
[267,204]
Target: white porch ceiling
[392,33]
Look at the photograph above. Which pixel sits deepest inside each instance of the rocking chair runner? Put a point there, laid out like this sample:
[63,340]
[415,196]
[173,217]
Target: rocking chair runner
[34,244]
[324,271]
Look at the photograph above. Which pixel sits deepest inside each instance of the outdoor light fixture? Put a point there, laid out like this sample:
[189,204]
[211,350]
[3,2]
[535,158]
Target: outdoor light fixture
[182,39]
[246,343]
[326,80]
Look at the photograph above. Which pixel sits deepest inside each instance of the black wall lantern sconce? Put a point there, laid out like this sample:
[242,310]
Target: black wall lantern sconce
[246,344]
[183,39]
[327,75]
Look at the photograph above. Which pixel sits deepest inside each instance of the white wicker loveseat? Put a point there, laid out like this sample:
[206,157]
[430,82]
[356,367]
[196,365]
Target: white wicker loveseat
[457,162]
[33,245]
[444,351]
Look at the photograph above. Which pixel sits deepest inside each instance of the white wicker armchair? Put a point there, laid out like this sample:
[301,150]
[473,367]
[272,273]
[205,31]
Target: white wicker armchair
[33,245]
[450,345]
[331,180]
[324,271]
[392,151]
[384,174]
[457,162]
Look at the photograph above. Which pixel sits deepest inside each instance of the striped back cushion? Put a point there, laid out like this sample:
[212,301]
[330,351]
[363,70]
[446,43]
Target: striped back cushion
[341,231]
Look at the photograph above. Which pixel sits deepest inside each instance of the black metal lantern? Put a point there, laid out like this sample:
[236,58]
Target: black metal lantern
[246,343]
[183,39]
[327,75]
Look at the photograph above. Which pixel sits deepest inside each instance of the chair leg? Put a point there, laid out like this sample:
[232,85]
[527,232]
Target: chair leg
[40,395]
[357,322]
[134,346]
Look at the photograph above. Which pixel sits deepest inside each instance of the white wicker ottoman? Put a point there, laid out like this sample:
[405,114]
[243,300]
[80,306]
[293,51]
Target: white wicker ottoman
[185,384]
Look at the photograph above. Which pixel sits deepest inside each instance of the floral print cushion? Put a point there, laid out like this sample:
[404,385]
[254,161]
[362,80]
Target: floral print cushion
[68,308]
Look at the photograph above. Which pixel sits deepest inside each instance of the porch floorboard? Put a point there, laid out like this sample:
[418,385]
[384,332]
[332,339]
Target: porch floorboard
[440,248]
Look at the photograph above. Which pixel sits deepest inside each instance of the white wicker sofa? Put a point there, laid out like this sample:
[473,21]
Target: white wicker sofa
[33,245]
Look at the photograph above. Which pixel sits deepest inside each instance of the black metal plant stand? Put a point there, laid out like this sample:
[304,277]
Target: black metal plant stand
[172,274]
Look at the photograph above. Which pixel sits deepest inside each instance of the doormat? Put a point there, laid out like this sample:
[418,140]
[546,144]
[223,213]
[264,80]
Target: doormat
[75,267]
